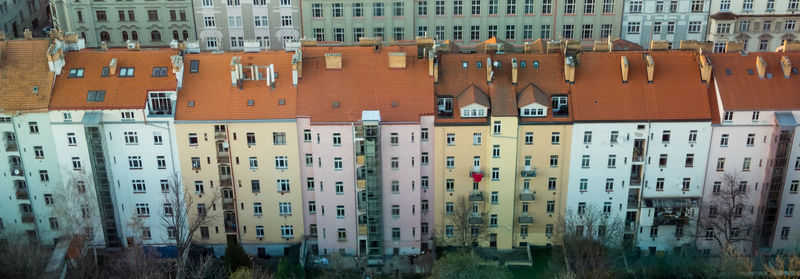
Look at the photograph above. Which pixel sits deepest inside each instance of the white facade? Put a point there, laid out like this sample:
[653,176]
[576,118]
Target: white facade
[761,25]
[139,159]
[672,21]
[229,23]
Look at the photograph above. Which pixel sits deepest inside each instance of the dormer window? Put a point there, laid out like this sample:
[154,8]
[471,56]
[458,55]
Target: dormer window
[159,71]
[105,72]
[560,107]
[532,112]
[159,103]
[473,112]
[126,72]
[444,106]
[75,73]
[479,64]
[728,116]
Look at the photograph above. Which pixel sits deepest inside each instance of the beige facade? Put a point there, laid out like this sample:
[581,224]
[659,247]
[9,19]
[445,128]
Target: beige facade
[760,25]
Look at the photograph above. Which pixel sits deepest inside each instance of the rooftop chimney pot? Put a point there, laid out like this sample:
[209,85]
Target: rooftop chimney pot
[28,34]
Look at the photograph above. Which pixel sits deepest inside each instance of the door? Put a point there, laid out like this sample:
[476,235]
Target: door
[493,240]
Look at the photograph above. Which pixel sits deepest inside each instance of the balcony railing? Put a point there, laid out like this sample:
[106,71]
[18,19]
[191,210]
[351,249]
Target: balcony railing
[633,202]
[225,180]
[475,220]
[227,204]
[528,172]
[220,135]
[223,157]
[362,229]
[476,196]
[670,220]
[11,145]
[16,170]
[22,194]
[526,196]
[476,174]
[525,220]
[27,217]
[230,226]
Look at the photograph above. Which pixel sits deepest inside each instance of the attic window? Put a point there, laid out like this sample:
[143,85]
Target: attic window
[75,73]
[105,72]
[281,102]
[522,64]
[126,72]
[335,104]
[96,96]
[159,71]
[191,103]
[728,72]
[532,112]
[769,75]
[474,112]
[194,66]
[498,64]
[794,71]
[479,64]
[464,64]
[36,89]
[536,64]
[249,103]
[394,104]
[750,72]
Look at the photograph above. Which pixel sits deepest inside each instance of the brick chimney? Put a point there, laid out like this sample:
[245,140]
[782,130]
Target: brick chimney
[623,63]
[488,67]
[435,72]
[761,66]
[601,46]
[651,66]
[28,34]
[514,71]
[659,45]
[569,69]
[333,61]
[297,66]
[705,67]
[397,60]
[786,66]
[112,67]
[734,46]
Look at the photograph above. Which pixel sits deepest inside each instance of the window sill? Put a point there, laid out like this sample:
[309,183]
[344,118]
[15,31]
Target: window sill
[135,168]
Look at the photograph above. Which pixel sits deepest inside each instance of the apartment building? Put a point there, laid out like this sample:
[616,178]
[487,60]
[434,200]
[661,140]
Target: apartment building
[368,148]
[464,22]
[237,140]
[672,21]
[16,16]
[494,124]
[760,25]
[233,25]
[112,126]
[755,110]
[31,174]
[640,139]
[148,23]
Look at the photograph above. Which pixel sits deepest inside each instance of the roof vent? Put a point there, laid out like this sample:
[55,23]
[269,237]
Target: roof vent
[333,61]
[728,72]
[623,63]
[394,104]
[335,104]
[191,103]
[281,102]
[750,71]
[761,66]
[250,103]
[397,60]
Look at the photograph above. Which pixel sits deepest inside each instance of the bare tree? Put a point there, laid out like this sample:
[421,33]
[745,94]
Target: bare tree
[183,219]
[728,218]
[206,267]
[590,241]
[470,221]
[20,259]
[76,207]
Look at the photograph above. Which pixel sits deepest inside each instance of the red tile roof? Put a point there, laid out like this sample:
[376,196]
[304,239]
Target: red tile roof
[23,67]
[743,91]
[215,98]
[121,92]
[677,93]
[365,82]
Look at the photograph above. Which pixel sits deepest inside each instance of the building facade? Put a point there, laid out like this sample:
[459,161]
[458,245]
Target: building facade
[672,21]
[16,16]
[228,25]
[463,22]
[148,23]
[760,25]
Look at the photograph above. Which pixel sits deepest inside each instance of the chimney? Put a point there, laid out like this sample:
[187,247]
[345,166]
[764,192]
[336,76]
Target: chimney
[236,70]
[397,60]
[435,72]
[112,67]
[761,66]
[103,46]
[734,46]
[569,69]
[786,66]
[2,35]
[659,45]
[333,61]
[790,46]
[651,66]
[177,69]
[489,71]
[514,71]
[623,63]
[297,66]
[601,46]
[28,34]
[705,68]
[553,46]
[55,58]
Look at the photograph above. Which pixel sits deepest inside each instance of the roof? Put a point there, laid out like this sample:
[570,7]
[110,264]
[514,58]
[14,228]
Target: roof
[213,96]
[473,95]
[532,94]
[544,70]
[625,45]
[723,16]
[365,82]
[24,75]
[677,92]
[120,92]
[742,91]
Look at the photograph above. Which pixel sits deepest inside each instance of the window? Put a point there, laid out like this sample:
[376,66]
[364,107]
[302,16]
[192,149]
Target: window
[635,6]
[662,161]
[720,164]
[43,176]
[283,185]
[609,184]
[612,161]
[585,160]
[286,21]
[278,138]
[743,186]
[395,211]
[553,160]
[789,212]
[281,162]
[555,138]
[38,152]
[785,233]
[395,233]
[686,184]
[794,4]
[493,220]
[793,186]
[253,163]
[495,174]
[547,6]
[316,10]
[395,163]
[161,162]
[633,27]
[581,208]
[665,136]
[458,6]
[377,9]
[476,7]
[723,141]
[496,151]
[747,5]
[142,209]
[746,164]
[195,163]
[493,7]
[584,184]
[135,162]
[528,138]
[397,8]
[568,31]
[587,137]
[723,28]
[451,139]
[288,232]
[660,184]
[551,183]
[284,208]
[751,139]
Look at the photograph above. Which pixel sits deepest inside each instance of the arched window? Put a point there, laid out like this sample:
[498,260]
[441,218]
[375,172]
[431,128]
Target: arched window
[83,35]
[155,36]
[175,35]
[185,35]
[124,35]
[134,35]
[104,36]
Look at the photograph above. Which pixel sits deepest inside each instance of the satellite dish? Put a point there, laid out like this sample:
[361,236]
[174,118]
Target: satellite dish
[173,97]
[225,144]
[16,171]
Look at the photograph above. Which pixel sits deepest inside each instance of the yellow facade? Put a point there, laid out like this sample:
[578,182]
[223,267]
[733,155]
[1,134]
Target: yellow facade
[238,197]
[540,150]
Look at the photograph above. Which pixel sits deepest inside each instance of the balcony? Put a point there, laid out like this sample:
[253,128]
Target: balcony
[527,171]
[16,169]
[361,184]
[360,160]
[525,220]
[476,174]
[22,194]
[11,145]
[220,135]
[225,181]
[633,202]
[362,229]
[223,157]
[27,217]
[227,204]
[666,220]
[230,222]
[526,196]
[475,220]
[476,196]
